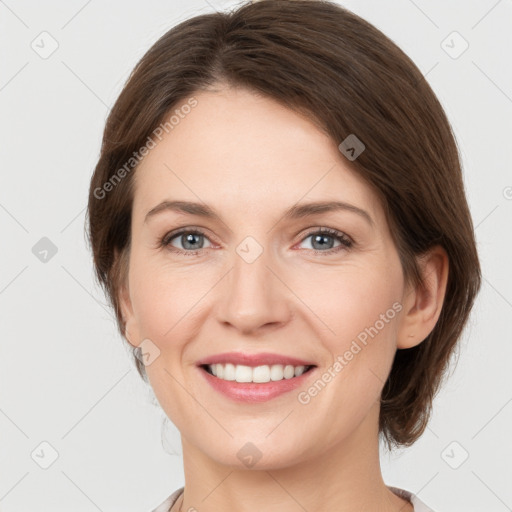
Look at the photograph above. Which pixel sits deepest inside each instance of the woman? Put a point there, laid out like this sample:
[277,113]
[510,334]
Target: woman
[278,218]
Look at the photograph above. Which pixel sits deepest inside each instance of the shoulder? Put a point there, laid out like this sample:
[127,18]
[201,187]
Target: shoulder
[166,505]
[418,505]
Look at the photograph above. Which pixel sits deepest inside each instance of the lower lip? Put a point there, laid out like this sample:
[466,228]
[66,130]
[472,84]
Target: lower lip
[252,391]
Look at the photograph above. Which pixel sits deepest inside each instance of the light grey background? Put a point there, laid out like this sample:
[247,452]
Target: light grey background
[65,374]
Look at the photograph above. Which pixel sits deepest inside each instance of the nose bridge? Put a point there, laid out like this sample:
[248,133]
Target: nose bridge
[252,295]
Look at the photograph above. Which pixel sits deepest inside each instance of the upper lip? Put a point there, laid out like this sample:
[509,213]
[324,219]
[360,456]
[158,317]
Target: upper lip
[261,359]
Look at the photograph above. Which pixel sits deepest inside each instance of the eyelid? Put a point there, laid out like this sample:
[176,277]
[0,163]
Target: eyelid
[166,239]
[346,241]
[325,230]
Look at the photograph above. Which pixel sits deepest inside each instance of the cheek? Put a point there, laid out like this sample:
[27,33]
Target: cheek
[361,309]
[156,298]
[353,300]
[166,299]
[368,311]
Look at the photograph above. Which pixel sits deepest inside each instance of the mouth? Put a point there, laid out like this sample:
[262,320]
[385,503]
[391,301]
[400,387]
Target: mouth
[255,377]
[255,374]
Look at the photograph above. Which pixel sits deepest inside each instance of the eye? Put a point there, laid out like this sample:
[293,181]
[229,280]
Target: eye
[321,244]
[191,240]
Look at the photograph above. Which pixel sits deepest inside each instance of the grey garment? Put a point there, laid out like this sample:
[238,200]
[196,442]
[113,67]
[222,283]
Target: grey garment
[166,505]
[418,505]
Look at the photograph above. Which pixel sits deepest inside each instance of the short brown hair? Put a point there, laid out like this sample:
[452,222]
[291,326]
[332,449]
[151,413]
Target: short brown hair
[319,59]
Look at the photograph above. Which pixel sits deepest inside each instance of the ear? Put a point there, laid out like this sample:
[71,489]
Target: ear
[423,304]
[125,303]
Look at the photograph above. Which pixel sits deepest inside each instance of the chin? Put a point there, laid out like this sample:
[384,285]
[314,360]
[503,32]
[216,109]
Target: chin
[256,455]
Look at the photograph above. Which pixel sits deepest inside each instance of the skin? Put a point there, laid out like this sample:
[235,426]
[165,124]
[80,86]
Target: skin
[250,159]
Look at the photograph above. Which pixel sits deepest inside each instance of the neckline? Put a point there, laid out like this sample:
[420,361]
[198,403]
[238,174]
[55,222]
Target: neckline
[176,495]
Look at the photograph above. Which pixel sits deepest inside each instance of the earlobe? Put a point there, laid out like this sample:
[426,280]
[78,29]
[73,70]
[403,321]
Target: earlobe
[423,304]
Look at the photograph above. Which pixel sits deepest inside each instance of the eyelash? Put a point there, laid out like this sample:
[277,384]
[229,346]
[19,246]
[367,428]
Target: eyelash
[345,241]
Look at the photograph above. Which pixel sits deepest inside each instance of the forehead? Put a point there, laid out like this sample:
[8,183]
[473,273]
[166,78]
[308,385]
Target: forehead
[239,151]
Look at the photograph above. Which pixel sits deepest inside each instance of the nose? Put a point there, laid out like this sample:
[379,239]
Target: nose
[253,296]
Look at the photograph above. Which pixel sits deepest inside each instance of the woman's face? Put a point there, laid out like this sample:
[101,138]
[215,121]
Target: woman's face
[260,278]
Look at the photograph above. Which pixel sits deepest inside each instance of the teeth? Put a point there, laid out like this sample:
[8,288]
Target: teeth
[261,374]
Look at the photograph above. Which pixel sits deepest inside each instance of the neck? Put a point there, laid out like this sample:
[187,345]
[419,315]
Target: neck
[344,478]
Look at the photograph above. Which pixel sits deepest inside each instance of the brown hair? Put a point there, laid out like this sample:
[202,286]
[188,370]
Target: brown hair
[319,59]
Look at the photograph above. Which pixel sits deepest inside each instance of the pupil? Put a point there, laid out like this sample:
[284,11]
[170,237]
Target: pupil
[321,240]
[189,239]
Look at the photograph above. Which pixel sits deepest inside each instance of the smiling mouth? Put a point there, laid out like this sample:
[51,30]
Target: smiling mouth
[255,374]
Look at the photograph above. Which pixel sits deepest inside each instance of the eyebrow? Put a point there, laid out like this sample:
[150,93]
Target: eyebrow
[297,211]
